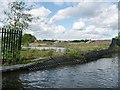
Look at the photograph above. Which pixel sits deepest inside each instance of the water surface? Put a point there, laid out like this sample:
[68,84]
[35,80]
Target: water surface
[58,49]
[102,73]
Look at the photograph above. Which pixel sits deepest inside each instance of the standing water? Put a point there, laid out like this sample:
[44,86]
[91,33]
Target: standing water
[102,73]
[58,49]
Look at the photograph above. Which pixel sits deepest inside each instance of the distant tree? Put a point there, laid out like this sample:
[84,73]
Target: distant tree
[28,38]
[76,41]
[80,40]
[86,40]
[45,40]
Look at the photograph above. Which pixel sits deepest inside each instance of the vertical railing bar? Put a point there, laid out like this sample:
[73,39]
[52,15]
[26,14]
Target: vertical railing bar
[13,43]
[4,44]
[10,42]
[7,42]
[17,46]
[20,39]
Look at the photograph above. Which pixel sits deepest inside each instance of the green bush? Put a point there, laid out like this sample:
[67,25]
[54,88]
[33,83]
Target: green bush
[28,38]
[10,58]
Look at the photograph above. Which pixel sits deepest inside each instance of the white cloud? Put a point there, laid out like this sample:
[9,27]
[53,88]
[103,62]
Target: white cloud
[59,29]
[40,12]
[29,32]
[98,23]
[3,7]
[101,26]
[108,18]
[62,14]
[83,9]
[43,30]
[58,3]
[78,25]
[48,31]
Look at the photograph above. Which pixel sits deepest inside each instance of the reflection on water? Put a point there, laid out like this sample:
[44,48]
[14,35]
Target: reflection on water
[102,73]
[58,49]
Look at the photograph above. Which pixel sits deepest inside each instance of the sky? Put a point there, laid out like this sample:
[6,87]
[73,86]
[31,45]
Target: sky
[68,20]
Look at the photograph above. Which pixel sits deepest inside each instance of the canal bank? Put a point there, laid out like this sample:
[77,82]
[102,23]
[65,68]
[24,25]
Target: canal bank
[58,61]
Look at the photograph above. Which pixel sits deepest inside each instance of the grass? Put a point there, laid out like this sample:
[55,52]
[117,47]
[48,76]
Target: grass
[73,51]
[34,53]
[79,49]
[27,55]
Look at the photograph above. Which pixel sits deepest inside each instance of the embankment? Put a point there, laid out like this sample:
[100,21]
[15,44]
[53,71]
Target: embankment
[58,61]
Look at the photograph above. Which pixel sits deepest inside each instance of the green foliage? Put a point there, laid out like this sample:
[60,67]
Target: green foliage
[49,43]
[12,58]
[50,53]
[28,38]
[17,19]
[74,54]
[34,53]
[9,57]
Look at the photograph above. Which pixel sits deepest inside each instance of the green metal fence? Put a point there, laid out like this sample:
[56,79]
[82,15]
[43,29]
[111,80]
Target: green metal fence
[10,44]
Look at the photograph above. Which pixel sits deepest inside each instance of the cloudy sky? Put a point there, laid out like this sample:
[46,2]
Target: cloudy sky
[71,20]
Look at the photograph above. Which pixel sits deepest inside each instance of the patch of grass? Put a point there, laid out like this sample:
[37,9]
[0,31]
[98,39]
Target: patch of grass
[77,51]
[34,53]
[74,54]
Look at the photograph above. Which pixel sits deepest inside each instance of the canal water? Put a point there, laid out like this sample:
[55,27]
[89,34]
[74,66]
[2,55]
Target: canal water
[58,49]
[102,73]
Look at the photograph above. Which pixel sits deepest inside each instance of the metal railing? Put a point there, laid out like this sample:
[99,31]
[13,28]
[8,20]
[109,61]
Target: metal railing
[10,44]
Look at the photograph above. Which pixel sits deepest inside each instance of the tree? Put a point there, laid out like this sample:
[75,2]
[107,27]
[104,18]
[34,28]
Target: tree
[17,19]
[28,38]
